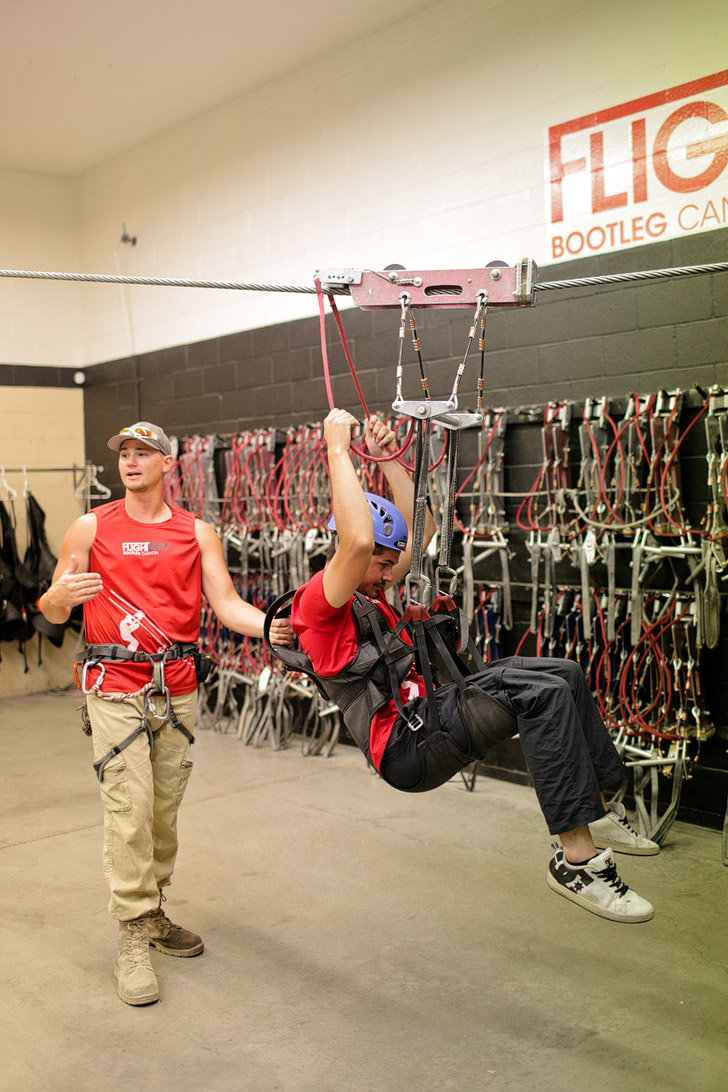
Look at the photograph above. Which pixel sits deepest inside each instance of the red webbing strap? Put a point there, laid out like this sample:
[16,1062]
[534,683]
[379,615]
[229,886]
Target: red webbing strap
[324,351]
[347,354]
[362,453]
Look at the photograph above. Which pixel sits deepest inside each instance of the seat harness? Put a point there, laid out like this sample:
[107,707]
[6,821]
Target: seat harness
[383,659]
[98,655]
[373,676]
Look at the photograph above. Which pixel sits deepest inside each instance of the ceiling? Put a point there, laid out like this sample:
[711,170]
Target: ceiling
[84,80]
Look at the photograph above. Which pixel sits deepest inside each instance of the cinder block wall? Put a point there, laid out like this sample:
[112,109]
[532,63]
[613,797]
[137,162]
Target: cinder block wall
[574,343]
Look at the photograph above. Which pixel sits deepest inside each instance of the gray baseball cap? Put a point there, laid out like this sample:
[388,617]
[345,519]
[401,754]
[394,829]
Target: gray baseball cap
[147,433]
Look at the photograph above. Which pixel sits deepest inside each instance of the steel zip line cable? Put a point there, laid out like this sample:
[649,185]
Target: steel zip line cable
[339,290]
[170,282]
[622,278]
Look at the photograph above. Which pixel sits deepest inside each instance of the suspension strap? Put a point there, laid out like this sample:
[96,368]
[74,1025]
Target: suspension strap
[663,433]
[414,619]
[415,579]
[327,377]
[414,722]
[445,572]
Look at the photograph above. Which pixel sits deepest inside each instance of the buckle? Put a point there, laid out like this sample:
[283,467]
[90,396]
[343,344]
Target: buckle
[415,722]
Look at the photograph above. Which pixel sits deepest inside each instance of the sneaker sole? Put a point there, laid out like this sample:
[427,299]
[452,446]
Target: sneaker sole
[184,953]
[631,919]
[635,851]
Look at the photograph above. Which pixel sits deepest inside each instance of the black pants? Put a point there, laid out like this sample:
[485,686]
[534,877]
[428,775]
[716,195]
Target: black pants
[567,748]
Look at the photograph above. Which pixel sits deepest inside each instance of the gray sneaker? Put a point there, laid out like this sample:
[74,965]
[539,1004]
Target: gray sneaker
[136,982]
[597,887]
[615,830]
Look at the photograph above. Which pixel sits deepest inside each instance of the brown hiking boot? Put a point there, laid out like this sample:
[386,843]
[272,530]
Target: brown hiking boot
[169,938]
[136,982]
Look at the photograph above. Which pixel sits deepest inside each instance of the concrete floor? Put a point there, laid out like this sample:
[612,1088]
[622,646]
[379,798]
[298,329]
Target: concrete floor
[357,939]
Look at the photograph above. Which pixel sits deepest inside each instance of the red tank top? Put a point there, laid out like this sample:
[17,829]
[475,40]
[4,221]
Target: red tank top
[152,574]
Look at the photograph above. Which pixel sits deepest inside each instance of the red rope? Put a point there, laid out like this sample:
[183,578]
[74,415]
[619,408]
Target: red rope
[364,454]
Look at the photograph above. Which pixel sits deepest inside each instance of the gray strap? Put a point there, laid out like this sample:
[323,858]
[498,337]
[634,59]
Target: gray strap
[586,615]
[611,587]
[468,593]
[507,597]
[103,762]
[636,594]
[711,601]
[535,548]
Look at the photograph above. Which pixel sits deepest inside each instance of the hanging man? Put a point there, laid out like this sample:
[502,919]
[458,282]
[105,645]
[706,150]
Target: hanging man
[366,666]
[139,567]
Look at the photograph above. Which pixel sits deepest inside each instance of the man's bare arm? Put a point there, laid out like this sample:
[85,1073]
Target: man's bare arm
[354,530]
[234,613]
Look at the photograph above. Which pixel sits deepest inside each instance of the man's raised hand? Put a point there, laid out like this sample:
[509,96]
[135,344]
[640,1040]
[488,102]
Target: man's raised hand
[337,430]
[73,588]
[379,436]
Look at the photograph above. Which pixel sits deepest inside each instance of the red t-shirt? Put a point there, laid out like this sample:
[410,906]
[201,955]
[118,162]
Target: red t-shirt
[329,637]
[152,574]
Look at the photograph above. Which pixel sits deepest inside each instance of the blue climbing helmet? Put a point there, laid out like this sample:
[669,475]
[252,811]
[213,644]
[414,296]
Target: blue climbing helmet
[390,526]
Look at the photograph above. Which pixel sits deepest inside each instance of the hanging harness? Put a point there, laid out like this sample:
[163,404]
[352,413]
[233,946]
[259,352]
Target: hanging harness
[98,655]
[380,664]
[36,575]
[13,622]
[373,676]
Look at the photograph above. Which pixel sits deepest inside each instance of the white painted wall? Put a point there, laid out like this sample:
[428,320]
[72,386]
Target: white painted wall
[424,144]
[40,322]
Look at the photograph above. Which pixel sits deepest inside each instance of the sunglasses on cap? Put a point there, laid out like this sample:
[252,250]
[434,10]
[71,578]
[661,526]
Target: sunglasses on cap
[144,433]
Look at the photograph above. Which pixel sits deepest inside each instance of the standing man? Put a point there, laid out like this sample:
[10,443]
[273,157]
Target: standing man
[349,633]
[139,567]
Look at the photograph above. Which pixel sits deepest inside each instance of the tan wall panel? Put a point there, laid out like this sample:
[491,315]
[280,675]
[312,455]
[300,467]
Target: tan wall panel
[41,427]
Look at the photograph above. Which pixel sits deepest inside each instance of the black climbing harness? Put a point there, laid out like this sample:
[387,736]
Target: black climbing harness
[446,653]
[99,655]
[381,663]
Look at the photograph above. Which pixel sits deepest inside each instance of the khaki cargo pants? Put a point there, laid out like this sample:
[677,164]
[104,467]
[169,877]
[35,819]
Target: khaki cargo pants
[141,792]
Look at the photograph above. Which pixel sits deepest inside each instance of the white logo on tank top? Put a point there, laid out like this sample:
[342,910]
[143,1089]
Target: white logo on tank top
[139,548]
[128,627]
